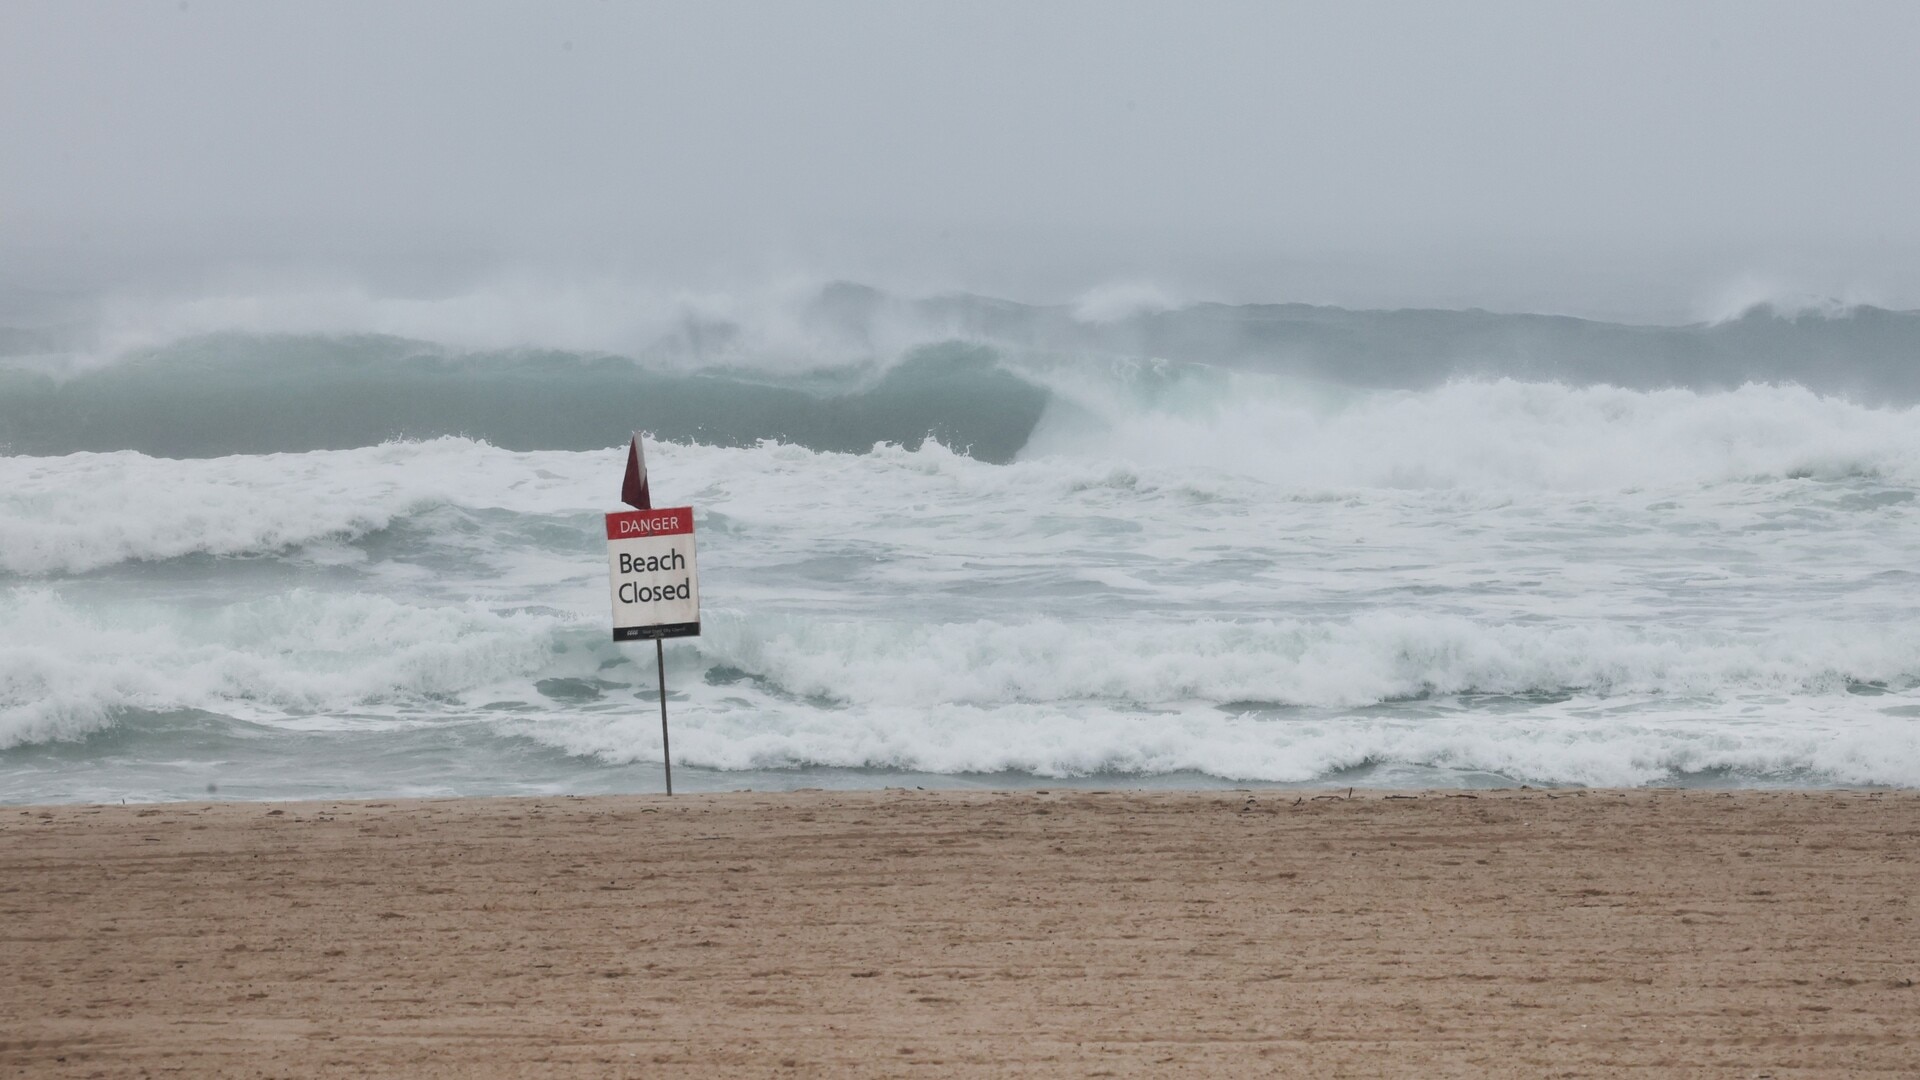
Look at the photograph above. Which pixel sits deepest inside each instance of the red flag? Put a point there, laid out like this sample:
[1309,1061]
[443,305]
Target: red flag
[633,490]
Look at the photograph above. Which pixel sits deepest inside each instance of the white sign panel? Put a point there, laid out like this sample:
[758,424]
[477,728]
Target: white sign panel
[656,586]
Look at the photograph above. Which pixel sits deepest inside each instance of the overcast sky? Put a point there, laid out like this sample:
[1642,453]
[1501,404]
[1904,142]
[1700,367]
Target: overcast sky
[1611,158]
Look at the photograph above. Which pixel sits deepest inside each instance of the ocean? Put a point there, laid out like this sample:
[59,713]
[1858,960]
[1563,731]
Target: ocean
[959,542]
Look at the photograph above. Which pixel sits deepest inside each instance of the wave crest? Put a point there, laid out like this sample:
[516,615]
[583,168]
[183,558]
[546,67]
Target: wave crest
[67,670]
[1368,660]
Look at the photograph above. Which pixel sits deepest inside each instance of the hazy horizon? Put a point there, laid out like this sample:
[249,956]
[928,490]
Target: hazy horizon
[1634,161]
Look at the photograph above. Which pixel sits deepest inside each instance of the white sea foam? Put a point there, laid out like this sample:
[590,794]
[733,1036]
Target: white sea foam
[1115,301]
[1200,571]
[1500,434]
[83,511]
[67,669]
[1579,743]
[1368,659]
[1587,704]
[1778,295]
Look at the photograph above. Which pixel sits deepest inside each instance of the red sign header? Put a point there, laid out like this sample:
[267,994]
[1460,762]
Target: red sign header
[635,524]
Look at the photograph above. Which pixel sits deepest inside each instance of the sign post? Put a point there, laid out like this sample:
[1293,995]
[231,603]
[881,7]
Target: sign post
[653,576]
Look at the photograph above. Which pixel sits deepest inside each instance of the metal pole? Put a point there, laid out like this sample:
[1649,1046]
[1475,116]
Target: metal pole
[666,755]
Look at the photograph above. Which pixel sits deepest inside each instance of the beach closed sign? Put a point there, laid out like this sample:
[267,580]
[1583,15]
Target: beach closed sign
[656,586]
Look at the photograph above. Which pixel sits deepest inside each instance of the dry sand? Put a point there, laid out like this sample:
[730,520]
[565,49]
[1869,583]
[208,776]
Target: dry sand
[921,934]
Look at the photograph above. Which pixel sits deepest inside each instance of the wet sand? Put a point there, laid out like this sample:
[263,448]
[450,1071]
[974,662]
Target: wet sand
[937,934]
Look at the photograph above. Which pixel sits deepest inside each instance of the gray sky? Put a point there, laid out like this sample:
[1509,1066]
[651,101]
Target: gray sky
[1616,158]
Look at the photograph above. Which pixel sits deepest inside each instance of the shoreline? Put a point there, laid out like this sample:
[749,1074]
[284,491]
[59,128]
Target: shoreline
[239,794]
[1068,931]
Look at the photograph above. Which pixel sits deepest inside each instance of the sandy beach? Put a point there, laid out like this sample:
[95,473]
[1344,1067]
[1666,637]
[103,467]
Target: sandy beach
[1069,933]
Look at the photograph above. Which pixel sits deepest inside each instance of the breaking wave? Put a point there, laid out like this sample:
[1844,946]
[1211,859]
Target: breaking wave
[958,535]
[1501,434]
[208,397]
[840,369]
[1157,436]
[69,669]
[1269,700]
[1367,660]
